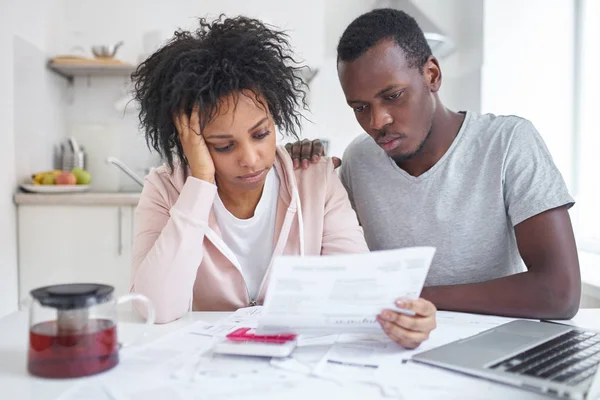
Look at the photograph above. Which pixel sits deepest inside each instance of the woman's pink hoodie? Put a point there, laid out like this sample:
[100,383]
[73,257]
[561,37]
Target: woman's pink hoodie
[180,260]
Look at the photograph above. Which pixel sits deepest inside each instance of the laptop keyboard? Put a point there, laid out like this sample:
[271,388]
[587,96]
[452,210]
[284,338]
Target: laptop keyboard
[570,358]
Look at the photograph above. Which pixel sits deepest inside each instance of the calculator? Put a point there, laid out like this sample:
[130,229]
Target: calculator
[244,342]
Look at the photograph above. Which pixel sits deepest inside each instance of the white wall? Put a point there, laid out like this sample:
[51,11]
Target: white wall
[39,108]
[8,243]
[528,68]
[39,96]
[331,116]
[90,22]
[461,20]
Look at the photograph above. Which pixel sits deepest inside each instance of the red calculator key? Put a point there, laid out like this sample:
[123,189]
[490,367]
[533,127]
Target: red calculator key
[247,335]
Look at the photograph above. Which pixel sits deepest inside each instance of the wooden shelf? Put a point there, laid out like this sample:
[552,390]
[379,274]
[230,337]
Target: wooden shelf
[70,68]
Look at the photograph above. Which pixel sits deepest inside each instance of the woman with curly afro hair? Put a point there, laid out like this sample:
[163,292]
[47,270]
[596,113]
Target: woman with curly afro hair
[228,200]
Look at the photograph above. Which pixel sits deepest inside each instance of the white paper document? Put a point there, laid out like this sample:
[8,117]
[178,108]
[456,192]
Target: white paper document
[243,318]
[415,381]
[356,361]
[342,293]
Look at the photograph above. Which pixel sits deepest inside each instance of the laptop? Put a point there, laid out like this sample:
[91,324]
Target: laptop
[553,359]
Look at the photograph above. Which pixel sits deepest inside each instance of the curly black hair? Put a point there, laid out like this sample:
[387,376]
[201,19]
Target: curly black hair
[384,23]
[198,68]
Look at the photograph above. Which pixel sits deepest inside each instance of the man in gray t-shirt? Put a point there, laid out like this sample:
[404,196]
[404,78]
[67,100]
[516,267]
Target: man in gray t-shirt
[496,174]
[482,189]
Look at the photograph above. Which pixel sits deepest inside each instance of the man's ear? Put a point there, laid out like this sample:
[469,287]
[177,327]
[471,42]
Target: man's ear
[432,73]
[337,162]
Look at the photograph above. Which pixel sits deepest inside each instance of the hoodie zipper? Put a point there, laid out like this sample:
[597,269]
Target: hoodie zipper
[220,244]
[292,211]
[289,217]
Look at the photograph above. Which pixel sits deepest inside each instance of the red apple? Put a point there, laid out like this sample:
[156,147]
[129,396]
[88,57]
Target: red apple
[66,178]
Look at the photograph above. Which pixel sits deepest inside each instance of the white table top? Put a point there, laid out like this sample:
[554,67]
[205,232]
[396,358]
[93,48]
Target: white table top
[17,384]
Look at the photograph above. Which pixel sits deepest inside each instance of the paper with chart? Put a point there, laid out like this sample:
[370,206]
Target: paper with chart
[342,293]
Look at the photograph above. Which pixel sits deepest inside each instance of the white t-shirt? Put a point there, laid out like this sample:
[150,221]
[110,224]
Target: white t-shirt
[251,240]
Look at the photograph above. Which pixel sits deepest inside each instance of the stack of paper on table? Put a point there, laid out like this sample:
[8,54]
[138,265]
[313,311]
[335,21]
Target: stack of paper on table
[181,366]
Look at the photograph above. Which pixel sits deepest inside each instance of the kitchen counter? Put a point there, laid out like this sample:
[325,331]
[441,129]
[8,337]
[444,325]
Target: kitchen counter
[78,199]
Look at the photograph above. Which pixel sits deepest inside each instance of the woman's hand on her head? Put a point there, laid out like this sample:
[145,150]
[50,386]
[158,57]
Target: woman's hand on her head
[409,331]
[194,146]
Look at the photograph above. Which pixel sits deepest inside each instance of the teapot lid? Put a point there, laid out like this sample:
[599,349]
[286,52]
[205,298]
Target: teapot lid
[73,295]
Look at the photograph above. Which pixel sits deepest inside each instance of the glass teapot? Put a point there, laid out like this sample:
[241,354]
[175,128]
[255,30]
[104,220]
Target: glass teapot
[73,330]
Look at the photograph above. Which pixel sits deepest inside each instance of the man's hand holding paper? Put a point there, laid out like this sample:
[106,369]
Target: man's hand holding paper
[409,330]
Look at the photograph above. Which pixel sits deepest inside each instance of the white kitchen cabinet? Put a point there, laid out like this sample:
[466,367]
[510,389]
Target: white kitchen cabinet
[65,244]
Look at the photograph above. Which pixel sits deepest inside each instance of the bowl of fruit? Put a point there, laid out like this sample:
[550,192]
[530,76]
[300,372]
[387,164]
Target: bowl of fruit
[58,181]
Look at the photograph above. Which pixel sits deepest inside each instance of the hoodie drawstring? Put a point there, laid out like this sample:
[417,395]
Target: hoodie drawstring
[300,221]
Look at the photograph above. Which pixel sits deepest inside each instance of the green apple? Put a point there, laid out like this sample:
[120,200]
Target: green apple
[83,177]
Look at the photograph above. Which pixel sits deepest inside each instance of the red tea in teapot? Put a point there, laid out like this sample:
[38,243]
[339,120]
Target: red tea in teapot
[60,353]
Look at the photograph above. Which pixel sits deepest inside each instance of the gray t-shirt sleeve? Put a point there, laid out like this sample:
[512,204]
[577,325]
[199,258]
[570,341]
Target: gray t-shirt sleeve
[347,182]
[531,181]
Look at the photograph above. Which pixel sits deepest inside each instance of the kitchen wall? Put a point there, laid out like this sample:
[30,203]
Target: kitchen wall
[461,20]
[93,119]
[39,95]
[39,109]
[89,21]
